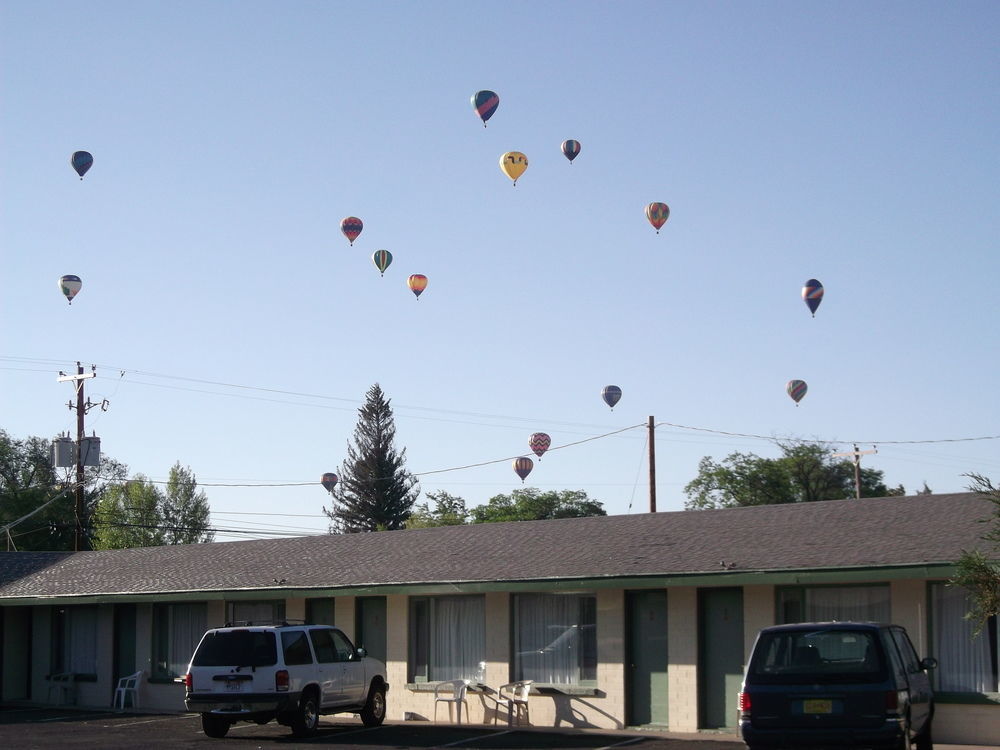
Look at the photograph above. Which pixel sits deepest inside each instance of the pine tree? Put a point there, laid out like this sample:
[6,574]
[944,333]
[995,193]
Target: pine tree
[375,491]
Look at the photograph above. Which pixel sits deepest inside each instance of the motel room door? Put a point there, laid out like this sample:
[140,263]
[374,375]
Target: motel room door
[646,654]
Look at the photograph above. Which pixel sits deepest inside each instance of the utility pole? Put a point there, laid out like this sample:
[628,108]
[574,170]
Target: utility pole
[857,466]
[652,467]
[81,411]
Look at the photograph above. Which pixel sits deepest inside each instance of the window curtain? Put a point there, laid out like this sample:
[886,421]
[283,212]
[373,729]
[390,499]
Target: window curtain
[458,637]
[965,663]
[257,612]
[858,603]
[547,640]
[187,625]
[81,640]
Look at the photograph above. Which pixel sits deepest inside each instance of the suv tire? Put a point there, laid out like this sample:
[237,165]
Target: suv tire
[373,714]
[305,719]
[214,726]
[923,740]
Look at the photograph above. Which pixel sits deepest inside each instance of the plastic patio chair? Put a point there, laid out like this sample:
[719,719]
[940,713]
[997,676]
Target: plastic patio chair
[128,686]
[514,697]
[64,686]
[452,692]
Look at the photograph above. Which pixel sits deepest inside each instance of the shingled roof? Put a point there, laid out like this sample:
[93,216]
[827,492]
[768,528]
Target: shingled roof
[921,530]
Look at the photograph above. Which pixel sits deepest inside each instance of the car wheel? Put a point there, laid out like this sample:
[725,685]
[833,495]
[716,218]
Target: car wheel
[214,726]
[924,741]
[373,714]
[305,719]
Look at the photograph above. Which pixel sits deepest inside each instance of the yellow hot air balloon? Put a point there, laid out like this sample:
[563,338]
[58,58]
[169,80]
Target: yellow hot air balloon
[513,164]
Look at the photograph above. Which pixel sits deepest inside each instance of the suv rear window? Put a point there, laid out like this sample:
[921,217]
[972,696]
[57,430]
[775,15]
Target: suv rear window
[806,656]
[236,648]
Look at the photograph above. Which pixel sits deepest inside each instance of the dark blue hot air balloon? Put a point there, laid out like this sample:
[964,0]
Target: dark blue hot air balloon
[612,395]
[812,293]
[81,162]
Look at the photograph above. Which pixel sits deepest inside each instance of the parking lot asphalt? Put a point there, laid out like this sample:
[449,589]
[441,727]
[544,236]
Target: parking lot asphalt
[27,728]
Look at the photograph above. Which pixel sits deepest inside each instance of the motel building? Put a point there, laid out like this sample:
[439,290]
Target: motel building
[642,620]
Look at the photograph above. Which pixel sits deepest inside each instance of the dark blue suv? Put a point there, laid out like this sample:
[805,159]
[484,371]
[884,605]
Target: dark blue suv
[836,684]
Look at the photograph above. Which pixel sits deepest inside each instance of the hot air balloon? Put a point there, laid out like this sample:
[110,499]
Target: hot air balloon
[539,442]
[81,162]
[513,164]
[571,149]
[329,481]
[417,283]
[612,395]
[812,293]
[657,213]
[523,466]
[351,227]
[382,259]
[485,103]
[70,286]
[796,389]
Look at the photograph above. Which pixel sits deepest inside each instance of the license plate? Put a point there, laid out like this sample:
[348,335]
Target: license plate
[815,706]
[234,686]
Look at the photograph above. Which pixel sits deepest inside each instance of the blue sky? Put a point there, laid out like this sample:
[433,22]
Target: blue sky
[235,329]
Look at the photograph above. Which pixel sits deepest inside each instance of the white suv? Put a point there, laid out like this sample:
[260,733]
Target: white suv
[292,673]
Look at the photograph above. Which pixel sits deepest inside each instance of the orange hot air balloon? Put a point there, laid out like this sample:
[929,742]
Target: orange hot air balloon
[417,283]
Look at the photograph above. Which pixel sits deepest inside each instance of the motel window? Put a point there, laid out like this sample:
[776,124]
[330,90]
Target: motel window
[967,663]
[177,628]
[555,638]
[320,611]
[447,637]
[74,640]
[256,612]
[826,603]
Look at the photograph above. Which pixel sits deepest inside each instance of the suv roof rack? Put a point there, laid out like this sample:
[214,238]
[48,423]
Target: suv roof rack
[264,623]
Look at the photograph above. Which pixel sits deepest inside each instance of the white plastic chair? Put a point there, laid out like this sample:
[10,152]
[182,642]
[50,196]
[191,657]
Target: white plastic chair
[514,697]
[64,686]
[452,692]
[128,686]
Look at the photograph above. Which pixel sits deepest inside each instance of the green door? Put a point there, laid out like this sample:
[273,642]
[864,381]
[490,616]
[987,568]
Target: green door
[720,656]
[646,654]
[371,627]
[124,641]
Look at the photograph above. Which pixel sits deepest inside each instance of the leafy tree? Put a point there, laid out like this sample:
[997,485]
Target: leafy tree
[375,491]
[129,515]
[806,472]
[449,510]
[531,504]
[185,509]
[976,571]
[28,481]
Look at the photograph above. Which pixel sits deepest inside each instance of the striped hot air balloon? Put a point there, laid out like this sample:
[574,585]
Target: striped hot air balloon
[796,389]
[523,466]
[485,103]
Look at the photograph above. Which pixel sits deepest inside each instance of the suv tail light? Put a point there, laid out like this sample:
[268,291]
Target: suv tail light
[894,699]
[188,682]
[744,703]
[281,680]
